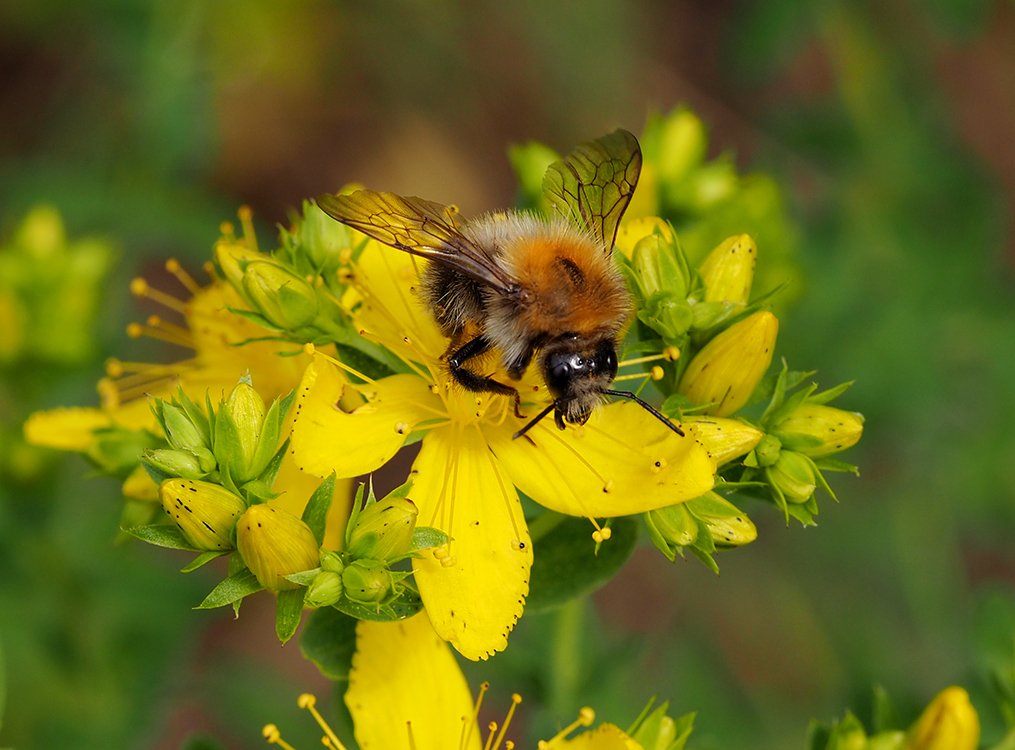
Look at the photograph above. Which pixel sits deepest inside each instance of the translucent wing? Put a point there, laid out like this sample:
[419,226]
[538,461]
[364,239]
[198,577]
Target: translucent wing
[420,227]
[593,184]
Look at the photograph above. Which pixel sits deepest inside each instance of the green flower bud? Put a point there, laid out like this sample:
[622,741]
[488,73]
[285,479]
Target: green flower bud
[728,525]
[530,161]
[657,267]
[332,561]
[819,430]
[274,544]
[675,143]
[793,474]
[724,439]
[246,409]
[324,590]
[206,513]
[231,258]
[728,271]
[768,451]
[670,528]
[283,298]
[174,463]
[948,723]
[321,238]
[723,375]
[384,529]
[180,431]
[367,581]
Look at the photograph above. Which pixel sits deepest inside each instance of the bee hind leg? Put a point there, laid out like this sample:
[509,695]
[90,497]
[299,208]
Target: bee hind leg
[469,380]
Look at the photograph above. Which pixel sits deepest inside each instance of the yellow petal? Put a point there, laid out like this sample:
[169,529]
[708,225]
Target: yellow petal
[139,486]
[633,230]
[603,737]
[403,672]
[391,308]
[475,597]
[330,434]
[68,429]
[622,461]
[297,487]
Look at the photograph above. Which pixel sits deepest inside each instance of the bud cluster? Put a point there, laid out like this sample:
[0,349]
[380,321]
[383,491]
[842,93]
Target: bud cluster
[294,293]
[802,432]
[237,444]
[727,343]
[366,578]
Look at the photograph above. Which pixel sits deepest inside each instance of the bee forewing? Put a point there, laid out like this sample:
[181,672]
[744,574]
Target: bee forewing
[420,227]
[593,184]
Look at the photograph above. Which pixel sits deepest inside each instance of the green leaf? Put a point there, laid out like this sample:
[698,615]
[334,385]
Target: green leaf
[304,577]
[231,590]
[566,565]
[315,515]
[162,535]
[406,604]
[288,612]
[203,559]
[329,641]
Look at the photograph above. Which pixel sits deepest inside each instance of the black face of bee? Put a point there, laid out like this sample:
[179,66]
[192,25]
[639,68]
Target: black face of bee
[577,375]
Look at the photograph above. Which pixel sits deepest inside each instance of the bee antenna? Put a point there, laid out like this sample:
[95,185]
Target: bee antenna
[644,405]
[535,420]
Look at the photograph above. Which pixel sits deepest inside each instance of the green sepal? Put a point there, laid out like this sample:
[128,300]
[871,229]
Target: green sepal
[426,537]
[231,590]
[805,513]
[257,318]
[329,641]
[354,511]
[203,559]
[654,729]
[405,602]
[315,514]
[162,535]
[271,429]
[272,468]
[288,613]
[566,565]
[195,414]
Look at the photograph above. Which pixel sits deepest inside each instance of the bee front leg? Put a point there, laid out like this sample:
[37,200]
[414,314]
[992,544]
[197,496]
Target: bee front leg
[470,380]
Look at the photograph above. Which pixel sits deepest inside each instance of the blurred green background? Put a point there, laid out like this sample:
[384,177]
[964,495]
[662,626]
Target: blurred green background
[889,126]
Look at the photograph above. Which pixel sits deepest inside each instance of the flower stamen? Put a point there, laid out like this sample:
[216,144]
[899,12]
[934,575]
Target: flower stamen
[139,287]
[468,722]
[309,702]
[273,736]
[174,267]
[246,216]
[585,718]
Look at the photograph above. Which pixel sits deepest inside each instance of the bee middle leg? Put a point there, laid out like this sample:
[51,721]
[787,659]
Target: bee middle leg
[478,383]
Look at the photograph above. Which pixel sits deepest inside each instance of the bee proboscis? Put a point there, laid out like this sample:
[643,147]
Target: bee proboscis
[522,284]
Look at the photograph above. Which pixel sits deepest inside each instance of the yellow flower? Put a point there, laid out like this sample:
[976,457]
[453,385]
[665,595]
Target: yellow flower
[224,346]
[948,723]
[467,475]
[406,692]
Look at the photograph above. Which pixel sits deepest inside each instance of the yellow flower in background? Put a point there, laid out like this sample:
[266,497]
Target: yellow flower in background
[467,475]
[223,346]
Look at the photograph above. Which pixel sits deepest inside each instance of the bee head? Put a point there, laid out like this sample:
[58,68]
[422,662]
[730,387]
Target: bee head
[577,372]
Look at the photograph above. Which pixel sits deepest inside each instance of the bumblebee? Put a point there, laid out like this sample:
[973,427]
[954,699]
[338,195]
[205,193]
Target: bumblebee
[521,284]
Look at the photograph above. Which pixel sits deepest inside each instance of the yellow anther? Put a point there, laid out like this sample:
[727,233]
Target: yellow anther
[135,330]
[306,700]
[114,368]
[586,716]
[309,348]
[401,428]
[138,287]
[671,353]
[605,533]
[657,373]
